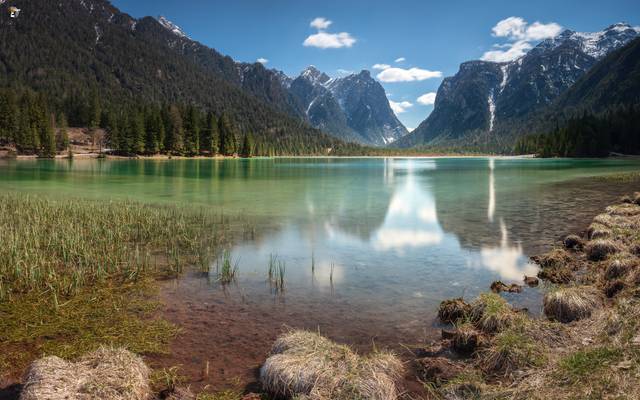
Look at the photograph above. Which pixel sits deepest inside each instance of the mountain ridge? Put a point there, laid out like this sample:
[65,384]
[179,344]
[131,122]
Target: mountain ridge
[485,101]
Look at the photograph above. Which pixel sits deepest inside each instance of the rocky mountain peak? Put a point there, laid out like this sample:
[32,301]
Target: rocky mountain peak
[170,26]
[314,75]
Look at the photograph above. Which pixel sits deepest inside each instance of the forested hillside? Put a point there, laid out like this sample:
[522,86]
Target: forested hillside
[598,115]
[86,62]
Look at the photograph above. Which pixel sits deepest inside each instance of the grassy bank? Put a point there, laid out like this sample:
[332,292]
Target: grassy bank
[76,274]
[587,344]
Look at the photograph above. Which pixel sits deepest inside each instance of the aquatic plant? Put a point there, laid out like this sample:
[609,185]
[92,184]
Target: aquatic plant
[61,245]
[227,269]
[276,272]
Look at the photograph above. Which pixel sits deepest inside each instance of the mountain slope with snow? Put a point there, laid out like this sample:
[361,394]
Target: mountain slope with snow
[484,103]
[354,107]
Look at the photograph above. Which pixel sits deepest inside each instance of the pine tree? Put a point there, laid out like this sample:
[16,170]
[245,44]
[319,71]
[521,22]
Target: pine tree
[62,137]
[228,136]
[137,134]
[212,137]
[176,145]
[153,127]
[246,150]
[48,139]
[192,131]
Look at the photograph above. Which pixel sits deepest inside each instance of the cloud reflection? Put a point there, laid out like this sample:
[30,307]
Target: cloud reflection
[506,259]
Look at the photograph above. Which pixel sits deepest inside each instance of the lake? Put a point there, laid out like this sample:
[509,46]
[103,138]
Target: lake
[369,246]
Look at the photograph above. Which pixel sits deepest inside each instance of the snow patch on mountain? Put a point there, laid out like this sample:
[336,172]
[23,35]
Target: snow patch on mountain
[172,27]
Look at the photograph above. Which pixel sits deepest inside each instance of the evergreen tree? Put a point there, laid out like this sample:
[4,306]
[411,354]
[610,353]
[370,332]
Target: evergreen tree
[48,139]
[192,131]
[246,150]
[62,137]
[154,127]
[212,137]
[176,145]
[137,134]
[228,136]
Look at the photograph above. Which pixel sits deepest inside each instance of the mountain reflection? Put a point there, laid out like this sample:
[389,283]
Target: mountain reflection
[411,226]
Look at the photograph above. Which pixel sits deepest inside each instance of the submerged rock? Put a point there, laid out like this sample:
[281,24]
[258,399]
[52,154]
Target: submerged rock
[499,286]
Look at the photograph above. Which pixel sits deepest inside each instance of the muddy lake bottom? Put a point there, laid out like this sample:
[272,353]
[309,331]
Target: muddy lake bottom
[368,247]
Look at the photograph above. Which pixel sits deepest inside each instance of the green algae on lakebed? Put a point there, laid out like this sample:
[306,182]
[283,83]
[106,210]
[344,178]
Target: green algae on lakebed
[76,274]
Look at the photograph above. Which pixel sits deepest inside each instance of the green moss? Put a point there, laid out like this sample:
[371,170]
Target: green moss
[121,315]
[584,363]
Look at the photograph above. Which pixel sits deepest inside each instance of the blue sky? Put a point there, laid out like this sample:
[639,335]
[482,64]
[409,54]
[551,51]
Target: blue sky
[433,37]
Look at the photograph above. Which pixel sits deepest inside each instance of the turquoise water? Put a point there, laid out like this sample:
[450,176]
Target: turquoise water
[387,238]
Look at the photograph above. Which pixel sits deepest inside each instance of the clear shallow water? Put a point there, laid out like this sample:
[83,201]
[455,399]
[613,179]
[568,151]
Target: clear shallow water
[399,234]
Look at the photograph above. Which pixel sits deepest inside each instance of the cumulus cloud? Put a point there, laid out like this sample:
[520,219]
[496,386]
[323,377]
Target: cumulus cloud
[520,34]
[400,107]
[381,66]
[407,75]
[262,60]
[320,23]
[326,40]
[427,99]
[401,59]
[513,52]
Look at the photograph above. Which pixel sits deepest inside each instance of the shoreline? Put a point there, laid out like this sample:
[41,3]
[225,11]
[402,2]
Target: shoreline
[580,348]
[441,363]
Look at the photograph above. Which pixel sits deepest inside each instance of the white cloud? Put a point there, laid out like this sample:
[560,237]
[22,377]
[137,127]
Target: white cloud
[262,60]
[326,40]
[520,34]
[344,71]
[427,99]
[510,27]
[320,23]
[400,107]
[401,59]
[407,75]
[381,66]
[515,51]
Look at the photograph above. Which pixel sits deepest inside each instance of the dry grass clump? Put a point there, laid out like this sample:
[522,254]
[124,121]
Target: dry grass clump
[305,365]
[465,339]
[598,231]
[106,374]
[554,259]
[572,242]
[510,350]
[612,288]
[636,198]
[570,303]
[625,210]
[491,313]
[619,267]
[453,310]
[600,249]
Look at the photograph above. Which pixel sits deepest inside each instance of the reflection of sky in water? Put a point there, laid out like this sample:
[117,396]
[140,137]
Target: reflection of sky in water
[388,238]
[407,255]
